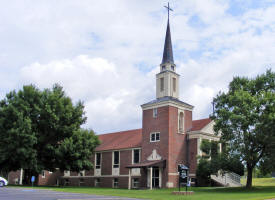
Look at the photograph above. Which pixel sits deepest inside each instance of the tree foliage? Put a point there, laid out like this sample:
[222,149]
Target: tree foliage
[213,161]
[39,130]
[245,117]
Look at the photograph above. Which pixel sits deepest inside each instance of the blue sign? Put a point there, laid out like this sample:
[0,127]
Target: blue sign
[33,179]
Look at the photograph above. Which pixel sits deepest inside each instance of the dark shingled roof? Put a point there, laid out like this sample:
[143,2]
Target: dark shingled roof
[168,98]
[168,51]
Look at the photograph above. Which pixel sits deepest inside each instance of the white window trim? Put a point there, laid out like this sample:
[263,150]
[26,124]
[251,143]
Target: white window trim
[134,154]
[97,184]
[133,183]
[83,172]
[113,159]
[100,160]
[43,174]
[155,112]
[181,131]
[114,183]
[155,136]
[67,173]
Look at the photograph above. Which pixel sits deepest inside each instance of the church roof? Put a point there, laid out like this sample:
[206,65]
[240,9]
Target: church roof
[120,140]
[200,124]
[133,138]
[168,51]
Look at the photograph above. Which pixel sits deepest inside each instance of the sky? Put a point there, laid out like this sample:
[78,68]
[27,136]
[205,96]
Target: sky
[106,53]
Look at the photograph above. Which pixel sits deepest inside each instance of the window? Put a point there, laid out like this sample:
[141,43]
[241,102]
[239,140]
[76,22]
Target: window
[81,181]
[97,182]
[67,173]
[135,183]
[136,156]
[155,137]
[98,160]
[173,68]
[66,182]
[115,183]
[163,68]
[43,174]
[174,84]
[116,159]
[81,173]
[161,84]
[181,122]
[155,112]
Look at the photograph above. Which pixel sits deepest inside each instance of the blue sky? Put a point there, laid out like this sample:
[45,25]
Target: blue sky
[107,52]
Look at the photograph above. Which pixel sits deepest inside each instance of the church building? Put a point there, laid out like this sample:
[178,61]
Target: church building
[147,157]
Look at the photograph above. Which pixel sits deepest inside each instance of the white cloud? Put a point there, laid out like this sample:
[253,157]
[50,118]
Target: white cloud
[107,52]
[111,96]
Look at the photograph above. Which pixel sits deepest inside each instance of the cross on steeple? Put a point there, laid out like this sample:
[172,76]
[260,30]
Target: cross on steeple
[168,9]
[168,52]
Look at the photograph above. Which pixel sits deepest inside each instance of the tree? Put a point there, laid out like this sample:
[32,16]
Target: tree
[42,129]
[245,118]
[213,161]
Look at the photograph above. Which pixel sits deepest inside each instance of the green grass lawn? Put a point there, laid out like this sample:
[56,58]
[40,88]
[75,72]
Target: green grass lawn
[263,189]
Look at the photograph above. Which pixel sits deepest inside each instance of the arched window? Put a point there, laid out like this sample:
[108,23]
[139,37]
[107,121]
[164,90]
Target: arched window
[181,122]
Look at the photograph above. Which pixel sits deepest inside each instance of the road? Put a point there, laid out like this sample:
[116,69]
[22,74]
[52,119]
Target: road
[8,193]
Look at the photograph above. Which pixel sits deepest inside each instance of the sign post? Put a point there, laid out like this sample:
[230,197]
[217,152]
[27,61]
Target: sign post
[183,178]
[32,180]
[183,175]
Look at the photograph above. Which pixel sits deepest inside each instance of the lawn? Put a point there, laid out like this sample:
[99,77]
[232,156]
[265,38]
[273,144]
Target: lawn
[264,189]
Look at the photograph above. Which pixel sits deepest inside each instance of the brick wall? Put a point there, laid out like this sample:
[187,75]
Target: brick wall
[193,155]
[177,145]
[14,177]
[106,166]
[50,178]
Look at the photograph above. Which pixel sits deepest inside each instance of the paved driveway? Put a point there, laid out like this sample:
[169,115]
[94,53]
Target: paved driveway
[8,193]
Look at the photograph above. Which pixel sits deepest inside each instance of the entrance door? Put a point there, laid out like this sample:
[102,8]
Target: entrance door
[155,177]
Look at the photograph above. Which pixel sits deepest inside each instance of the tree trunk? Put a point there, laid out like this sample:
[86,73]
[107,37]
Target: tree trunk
[249,177]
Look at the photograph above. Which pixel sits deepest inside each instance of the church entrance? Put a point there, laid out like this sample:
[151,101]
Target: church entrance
[155,177]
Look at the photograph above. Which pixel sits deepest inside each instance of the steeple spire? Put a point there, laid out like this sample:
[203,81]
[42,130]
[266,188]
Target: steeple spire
[168,51]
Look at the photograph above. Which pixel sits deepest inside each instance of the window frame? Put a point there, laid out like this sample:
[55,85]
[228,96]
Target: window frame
[43,174]
[174,84]
[115,183]
[161,84]
[98,166]
[135,183]
[97,182]
[155,112]
[155,136]
[181,122]
[118,164]
[67,173]
[81,173]
[133,156]
[173,67]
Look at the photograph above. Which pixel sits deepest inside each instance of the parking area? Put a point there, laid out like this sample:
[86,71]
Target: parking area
[8,193]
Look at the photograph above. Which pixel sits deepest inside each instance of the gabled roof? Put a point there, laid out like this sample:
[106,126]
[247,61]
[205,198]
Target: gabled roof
[200,124]
[120,140]
[133,138]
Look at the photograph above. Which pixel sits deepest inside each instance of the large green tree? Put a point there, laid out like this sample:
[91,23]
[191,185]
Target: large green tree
[213,161]
[245,118]
[39,130]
